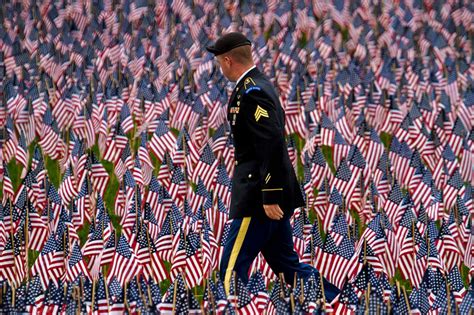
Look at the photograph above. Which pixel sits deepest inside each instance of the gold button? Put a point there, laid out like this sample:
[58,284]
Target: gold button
[250,175]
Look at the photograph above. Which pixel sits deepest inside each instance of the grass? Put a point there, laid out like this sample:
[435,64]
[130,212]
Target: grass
[54,173]
[386,139]
[327,153]
[14,171]
[109,197]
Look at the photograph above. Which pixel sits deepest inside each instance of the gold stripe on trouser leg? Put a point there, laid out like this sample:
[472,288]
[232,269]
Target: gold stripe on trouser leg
[235,252]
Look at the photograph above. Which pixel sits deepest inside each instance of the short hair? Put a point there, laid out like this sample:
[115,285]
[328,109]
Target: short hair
[242,54]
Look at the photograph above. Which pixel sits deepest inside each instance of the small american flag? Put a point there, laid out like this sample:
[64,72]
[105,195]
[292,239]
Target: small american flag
[125,264]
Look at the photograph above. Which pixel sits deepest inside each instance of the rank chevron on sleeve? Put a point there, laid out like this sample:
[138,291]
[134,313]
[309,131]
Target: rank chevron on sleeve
[260,112]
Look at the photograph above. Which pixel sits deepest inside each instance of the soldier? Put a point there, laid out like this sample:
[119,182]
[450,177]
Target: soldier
[265,190]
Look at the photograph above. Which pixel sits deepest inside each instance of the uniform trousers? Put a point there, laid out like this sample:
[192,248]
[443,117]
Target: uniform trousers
[250,235]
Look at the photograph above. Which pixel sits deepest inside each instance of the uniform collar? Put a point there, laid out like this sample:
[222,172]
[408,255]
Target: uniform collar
[244,74]
[247,73]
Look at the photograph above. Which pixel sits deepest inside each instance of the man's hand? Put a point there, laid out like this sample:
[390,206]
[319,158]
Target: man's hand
[273,211]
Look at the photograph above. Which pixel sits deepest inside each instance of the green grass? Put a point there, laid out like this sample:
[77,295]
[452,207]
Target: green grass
[386,139]
[54,173]
[109,197]
[327,153]
[32,256]
[165,284]
[14,170]
[299,144]
[83,232]
[403,282]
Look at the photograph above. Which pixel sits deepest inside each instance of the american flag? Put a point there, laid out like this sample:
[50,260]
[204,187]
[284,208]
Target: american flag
[209,248]
[22,154]
[35,194]
[82,205]
[54,299]
[344,180]
[124,163]
[454,187]
[11,260]
[341,149]
[334,204]
[37,230]
[125,264]
[135,304]
[198,197]
[162,141]
[165,238]
[257,289]
[150,220]
[187,256]
[239,294]
[418,300]
[145,161]
[126,119]
[98,175]
[339,228]
[456,284]
[116,143]
[279,302]
[175,299]
[76,266]
[8,192]
[348,295]
[392,204]
[298,234]
[468,302]
[223,185]
[116,296]
[447,247]
[101,305]
[210,295]
[48,262]
[327,131]
[50,141]
[94,243]
[35,296]
[68,188]
[177,188]
[153,196]
[137,173]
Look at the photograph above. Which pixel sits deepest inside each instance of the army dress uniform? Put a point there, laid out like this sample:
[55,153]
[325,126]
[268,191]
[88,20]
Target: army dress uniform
[263,174]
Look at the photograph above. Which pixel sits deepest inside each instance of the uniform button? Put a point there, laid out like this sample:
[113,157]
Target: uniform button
[236,162]
[250,175]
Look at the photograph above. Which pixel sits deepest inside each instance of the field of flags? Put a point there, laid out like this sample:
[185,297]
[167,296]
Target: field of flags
[116,160]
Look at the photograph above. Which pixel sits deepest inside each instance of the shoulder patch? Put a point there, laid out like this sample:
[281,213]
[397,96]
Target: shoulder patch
[257,88]
[249,81]
[260,112]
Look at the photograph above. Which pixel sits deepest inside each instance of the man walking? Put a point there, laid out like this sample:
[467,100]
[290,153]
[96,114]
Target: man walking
[265,190]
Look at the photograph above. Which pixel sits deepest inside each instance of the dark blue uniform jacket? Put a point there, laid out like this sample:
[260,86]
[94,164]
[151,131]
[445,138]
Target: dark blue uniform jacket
[263,172]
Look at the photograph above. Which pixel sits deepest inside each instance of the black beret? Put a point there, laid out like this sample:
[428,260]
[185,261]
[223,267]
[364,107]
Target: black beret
[228,42]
